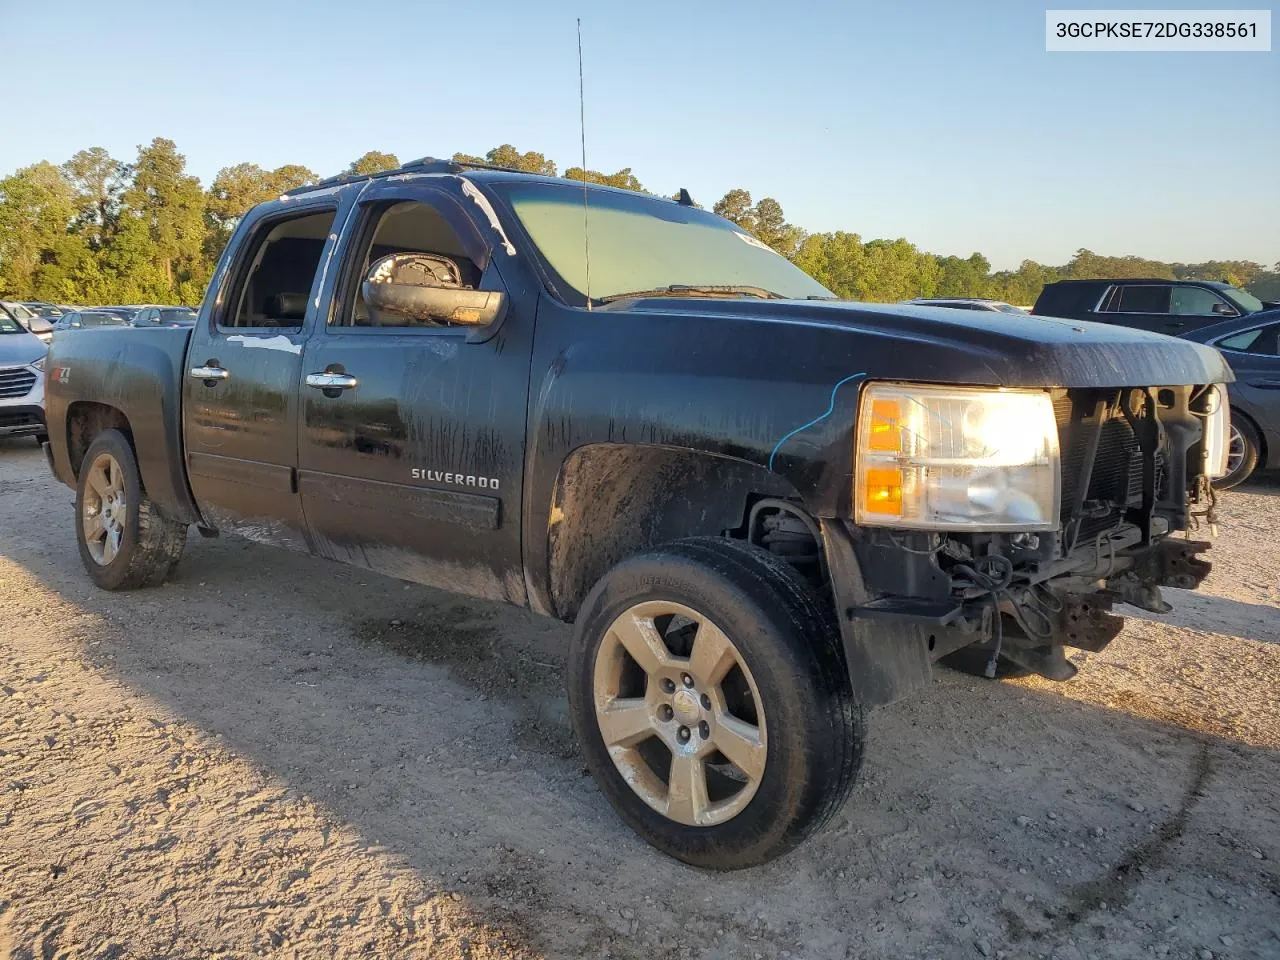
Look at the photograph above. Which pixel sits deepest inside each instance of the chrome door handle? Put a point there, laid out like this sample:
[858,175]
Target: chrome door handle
[332,381]
[209,373]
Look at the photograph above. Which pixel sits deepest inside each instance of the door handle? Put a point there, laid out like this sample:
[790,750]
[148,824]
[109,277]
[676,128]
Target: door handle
[332,381]
[209,373]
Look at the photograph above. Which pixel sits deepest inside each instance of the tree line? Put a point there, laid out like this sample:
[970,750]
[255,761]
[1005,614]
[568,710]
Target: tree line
[98,230]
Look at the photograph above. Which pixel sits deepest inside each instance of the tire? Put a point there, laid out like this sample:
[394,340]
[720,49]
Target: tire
[1244,437]
[787,682]
[124,541]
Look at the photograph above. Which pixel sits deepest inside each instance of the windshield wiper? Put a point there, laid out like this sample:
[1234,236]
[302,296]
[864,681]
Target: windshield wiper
[690,290]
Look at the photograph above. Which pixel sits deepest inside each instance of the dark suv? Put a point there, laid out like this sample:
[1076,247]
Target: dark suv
[1165,306]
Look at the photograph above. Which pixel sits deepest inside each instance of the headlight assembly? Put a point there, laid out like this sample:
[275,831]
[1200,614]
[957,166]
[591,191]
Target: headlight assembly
[38,364]
[947,458]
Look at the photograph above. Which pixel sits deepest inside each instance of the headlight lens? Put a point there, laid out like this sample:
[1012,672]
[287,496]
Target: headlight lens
[942,458]
[39,364]
[1217,432]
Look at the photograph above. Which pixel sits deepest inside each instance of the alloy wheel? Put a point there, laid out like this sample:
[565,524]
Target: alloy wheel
[680,713]
[1235,451]
[106,509]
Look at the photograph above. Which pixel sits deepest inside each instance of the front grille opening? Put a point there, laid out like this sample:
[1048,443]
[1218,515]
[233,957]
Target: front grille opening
[1115,481]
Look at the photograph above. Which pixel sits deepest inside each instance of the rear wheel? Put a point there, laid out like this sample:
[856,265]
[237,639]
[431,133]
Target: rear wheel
[1242,454]
[124,540]
[708,691]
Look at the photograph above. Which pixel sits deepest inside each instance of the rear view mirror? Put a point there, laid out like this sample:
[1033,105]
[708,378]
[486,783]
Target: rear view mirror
[422,287]
[1222,310]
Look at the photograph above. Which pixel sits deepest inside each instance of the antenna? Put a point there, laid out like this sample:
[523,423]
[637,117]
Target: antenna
[582,127]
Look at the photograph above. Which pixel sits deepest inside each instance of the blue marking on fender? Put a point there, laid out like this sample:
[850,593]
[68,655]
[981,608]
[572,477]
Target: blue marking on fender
[830,409]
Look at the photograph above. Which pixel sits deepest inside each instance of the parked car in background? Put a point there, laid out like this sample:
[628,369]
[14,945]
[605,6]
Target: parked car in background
[22,357]
[967,303]
[89,318]
[1165,306]
[1251,345]
[126,313]
[50,311]
[33,322]
[164,317]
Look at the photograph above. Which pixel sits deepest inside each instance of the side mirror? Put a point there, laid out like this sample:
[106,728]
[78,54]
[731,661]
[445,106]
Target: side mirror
[422,287]
[1223,310]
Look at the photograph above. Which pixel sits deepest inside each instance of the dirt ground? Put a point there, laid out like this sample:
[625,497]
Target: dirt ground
[276,756]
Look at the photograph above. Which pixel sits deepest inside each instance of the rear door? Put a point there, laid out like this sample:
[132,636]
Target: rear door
[240,389]
[413,464]
[1142,305]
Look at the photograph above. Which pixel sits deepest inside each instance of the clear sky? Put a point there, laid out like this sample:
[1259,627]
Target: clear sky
[946,123]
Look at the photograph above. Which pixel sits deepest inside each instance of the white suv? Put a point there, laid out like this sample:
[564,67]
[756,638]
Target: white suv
[22,357]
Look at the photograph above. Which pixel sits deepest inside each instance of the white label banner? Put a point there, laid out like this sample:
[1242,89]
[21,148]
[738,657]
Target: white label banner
[1154,31]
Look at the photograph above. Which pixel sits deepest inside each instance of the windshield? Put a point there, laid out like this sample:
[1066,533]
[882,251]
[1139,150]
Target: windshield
[10,325]
[639,242]
[1247,302]
[21,312]
[177,315]
[44,310]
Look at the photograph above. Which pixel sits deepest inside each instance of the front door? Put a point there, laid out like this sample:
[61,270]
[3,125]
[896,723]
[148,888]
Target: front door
[240,388]
[411,451]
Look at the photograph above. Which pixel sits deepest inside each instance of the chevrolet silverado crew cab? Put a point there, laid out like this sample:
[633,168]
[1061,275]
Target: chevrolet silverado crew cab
[763,510]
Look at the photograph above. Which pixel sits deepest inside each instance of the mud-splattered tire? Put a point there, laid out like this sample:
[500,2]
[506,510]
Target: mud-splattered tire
[716,656]
[124,541]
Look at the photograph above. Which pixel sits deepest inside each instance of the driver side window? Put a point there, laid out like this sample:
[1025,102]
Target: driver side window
[403,227]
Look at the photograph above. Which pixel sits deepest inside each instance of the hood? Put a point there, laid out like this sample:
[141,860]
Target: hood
[944,345]
[20,349]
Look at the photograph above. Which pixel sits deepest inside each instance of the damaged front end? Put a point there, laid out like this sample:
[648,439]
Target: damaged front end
[1134,468]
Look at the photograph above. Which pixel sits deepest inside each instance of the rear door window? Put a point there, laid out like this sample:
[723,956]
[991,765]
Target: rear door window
[1143,298]
[275,278]
[1264,341]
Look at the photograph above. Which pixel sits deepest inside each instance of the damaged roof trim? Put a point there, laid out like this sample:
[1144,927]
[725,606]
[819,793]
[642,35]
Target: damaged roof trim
[481,201]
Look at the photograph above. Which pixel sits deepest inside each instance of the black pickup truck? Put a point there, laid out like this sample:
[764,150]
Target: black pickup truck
[763,509]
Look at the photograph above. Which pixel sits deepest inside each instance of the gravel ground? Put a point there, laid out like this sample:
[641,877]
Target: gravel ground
[276,756]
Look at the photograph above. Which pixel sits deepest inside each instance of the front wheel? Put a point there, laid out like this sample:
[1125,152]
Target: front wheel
[125,542]
[708,690]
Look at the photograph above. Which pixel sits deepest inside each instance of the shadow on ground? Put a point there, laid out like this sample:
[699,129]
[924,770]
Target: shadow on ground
[990,817]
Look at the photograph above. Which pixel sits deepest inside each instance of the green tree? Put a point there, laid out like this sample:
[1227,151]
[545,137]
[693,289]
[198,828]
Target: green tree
[835,260]
[237,189]
[508,156]
[37,204]
[736,206]
[964,277]
[169,203]
[374,161]
[624,179]
[99,182]
[764,220]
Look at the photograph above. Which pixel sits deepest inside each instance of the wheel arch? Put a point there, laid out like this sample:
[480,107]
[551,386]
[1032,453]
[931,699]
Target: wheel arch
[160,465]
[611,501]
[85,420]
